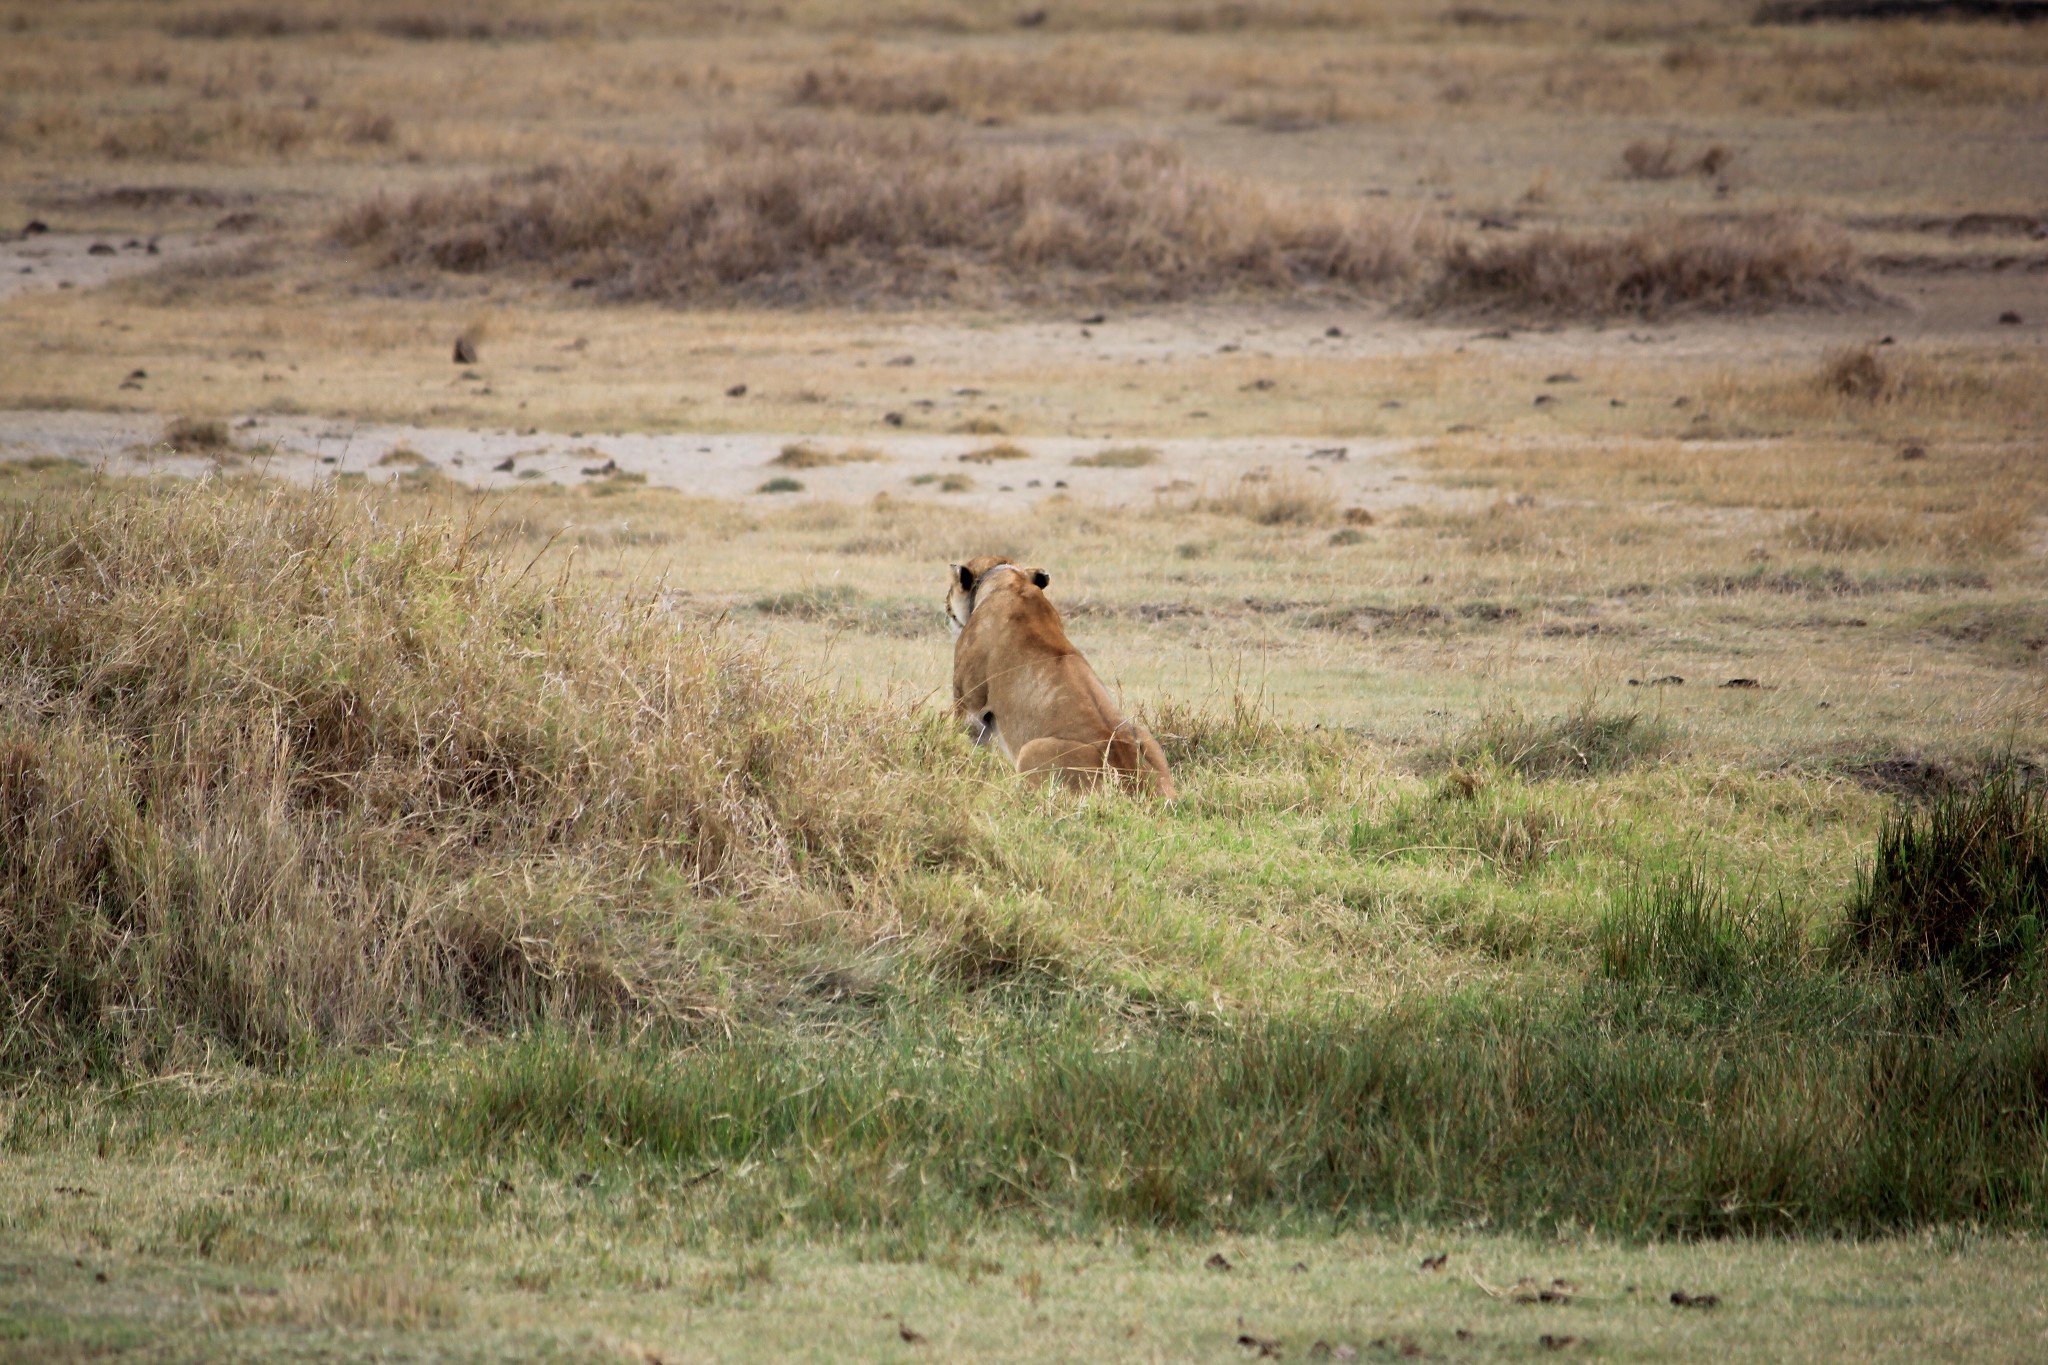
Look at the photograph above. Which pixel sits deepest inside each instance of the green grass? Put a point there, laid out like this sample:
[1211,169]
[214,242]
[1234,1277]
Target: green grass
[388,916]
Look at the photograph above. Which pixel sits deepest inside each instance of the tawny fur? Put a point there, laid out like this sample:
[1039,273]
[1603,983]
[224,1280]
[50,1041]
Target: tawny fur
[1020,683]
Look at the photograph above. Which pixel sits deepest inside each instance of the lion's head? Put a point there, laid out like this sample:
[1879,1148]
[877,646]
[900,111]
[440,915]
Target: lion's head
[968,579]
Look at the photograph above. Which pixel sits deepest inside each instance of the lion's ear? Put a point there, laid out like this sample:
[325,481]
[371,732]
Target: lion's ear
[1039,578]
[966,577]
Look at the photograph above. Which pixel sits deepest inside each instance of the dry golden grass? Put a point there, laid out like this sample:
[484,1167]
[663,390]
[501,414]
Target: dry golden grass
[1690,265]
[811,212]
[1267,498]
[1996,392]
[331,728]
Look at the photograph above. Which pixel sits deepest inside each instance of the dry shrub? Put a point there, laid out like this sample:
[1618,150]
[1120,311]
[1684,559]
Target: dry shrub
[196,434]
[1651,160]
[803,455]
[1284,499]
[973,87]
[271,776]
[1859,372]
[815,211]
[1696,264]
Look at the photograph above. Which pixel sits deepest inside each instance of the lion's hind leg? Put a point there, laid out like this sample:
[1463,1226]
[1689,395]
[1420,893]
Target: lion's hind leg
[1075,762]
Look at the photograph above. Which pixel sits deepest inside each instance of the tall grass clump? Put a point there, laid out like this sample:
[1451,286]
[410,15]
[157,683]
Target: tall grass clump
[814,211]
[1959,885]
[274,775]
[1697,264]
[1683,932]
[1581,743]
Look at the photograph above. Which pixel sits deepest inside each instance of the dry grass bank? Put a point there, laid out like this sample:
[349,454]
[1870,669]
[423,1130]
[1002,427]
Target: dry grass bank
[817,212]
[1692,265]
[272,774]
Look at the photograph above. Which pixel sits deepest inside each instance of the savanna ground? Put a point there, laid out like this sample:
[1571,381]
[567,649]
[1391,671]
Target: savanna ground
[484,871]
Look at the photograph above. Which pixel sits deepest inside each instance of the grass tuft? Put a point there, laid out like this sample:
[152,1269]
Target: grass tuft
[1859,372]
[1681,932]
[1961,884]
[1582,743]
[1268,499]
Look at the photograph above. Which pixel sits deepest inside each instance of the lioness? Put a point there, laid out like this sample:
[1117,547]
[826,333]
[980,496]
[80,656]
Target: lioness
[1019,681]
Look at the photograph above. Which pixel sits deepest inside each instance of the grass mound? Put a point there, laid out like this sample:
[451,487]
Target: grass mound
[1961,884]
[271,776]
[1695,264]
[816,211]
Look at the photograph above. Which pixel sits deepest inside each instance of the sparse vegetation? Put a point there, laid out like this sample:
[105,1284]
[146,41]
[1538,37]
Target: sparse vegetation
[1118,457]
[969,87]
[781,483]
[1002,450]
